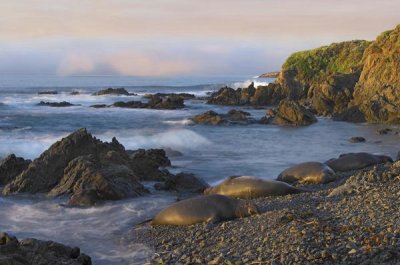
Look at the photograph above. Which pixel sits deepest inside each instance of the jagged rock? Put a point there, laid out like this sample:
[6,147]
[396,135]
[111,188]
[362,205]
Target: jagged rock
[92,182]
[90,170]
[292,113]
[12,166]
[130,104]
[352,114]
[56,104]
[171,102]
[171,152]
[183,182]
[113,91]
[146,163]
[232,117]
[225,96]
[32,251]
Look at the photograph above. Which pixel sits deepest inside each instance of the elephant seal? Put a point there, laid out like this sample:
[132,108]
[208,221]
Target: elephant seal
[208,208]
[251,187]
[354,161]
[308,172]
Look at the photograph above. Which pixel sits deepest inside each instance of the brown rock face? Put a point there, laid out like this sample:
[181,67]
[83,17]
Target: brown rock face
[10,167]
[292,113]
[32,251]
[90,170]
[260,96]
[112,91]
[378,91]
[183,182]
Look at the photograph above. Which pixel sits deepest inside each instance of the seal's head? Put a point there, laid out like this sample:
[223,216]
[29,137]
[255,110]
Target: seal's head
[246,208]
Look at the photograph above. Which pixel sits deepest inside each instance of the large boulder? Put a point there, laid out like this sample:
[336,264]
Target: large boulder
[292,113]
[32,251]
[92,182]
[225,96]
[10,167]
[182,182]
[90,170]
[171,102]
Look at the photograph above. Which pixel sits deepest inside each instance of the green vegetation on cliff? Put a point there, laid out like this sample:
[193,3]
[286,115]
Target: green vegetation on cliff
[317,64]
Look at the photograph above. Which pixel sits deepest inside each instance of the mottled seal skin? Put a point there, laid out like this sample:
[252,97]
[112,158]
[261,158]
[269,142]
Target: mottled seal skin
[207,208]
[251,187]
[308,172]
[354,161]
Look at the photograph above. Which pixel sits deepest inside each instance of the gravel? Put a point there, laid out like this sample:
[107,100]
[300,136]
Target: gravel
[355,220]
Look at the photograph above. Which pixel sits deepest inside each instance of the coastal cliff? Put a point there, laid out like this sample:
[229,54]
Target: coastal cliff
[355,81]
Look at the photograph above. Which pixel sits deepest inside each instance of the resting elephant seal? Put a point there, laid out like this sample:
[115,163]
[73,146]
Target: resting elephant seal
[354,161]
[208,208]
[309,172]
[251,187]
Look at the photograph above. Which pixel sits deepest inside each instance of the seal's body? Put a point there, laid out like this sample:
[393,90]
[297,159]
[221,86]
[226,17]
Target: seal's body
[309,172]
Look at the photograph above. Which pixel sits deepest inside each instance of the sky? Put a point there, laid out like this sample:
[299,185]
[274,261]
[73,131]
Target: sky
[177,37]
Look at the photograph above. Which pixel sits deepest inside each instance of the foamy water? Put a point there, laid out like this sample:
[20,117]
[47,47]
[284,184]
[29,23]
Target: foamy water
[211,152]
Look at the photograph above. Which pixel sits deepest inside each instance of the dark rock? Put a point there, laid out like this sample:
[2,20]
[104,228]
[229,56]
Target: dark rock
[74,93]
[225,96]
[89,169]
[171,152]
[357,139]
[352,114]
[146,163]
[32,251]
[164,95]
[398,156]
[232,117]
[12,166]
[56,104]
[130,104]
[114,91]
[183,182]
[91,181]
[171,102]
[47,92]
[384,131]
[292,113]
[99,106]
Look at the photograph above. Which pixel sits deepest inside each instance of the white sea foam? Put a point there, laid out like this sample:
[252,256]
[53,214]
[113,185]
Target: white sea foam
[248,82]
[179,122]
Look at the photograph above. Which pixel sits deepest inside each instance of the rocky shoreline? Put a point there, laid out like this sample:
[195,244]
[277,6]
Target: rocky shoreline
[353,220]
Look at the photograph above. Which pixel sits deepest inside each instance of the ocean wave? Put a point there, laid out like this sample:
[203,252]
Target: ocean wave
[248,82]
[179,122]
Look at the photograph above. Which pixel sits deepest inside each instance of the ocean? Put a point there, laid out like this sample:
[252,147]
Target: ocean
[210,152]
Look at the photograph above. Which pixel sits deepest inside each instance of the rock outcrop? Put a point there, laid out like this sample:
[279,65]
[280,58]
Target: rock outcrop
[232,117]
[164,95]
[377,93]
[114,91]
[182,182]
[32,251]
[292,113]
[10,167]
[56,104]
[90,170]
[154,102]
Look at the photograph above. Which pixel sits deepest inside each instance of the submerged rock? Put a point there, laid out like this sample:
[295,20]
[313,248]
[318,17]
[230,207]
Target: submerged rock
[357,139]
[32,251]
[113,91]
[86,167]
[56,104]
[10,167]
[232,117]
